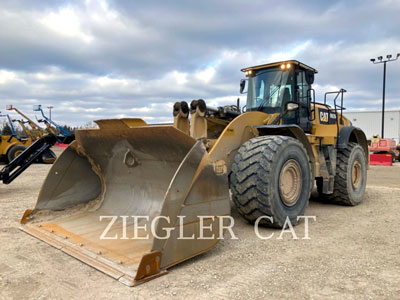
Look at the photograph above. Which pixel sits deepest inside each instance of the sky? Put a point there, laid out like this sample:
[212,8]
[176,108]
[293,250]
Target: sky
[115,58]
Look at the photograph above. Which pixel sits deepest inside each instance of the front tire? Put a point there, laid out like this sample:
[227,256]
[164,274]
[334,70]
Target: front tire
[14,152]
[271,176]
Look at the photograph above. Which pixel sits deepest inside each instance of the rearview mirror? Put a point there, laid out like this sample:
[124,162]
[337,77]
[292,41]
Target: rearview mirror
[291,106]
[309,76]
[242,85]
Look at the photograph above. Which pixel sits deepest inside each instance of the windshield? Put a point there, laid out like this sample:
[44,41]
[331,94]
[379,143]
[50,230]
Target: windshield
[268,90]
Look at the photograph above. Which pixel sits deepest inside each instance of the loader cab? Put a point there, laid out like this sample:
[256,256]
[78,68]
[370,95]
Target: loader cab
[272,86]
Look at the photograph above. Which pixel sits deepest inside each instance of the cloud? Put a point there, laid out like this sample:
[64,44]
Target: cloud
[206,75]
[6,76]
[103,59]
[66,22]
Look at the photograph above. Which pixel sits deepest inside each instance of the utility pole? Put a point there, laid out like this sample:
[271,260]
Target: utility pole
[380,61]
[50,108]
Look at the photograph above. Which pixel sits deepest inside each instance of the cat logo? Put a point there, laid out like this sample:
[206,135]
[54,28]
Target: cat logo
[324,116]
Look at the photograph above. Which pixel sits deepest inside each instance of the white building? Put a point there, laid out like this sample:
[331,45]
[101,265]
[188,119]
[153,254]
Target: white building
[371,122]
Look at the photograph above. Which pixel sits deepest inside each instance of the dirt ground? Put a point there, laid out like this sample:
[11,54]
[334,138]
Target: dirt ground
[353,253]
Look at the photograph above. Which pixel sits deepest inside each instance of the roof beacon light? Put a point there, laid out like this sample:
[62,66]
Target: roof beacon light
[248,72]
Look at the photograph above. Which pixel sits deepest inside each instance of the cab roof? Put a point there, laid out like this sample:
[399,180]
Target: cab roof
[277,64]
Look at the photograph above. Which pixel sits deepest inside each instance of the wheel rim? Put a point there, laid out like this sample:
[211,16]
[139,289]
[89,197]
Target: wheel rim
[290,181]
[356,175]
[18,153]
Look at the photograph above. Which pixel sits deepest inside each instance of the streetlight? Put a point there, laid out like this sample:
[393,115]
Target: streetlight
[381,60]
[50,108]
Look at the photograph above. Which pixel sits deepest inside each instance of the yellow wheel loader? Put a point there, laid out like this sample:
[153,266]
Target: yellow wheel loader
[11,146]
[34,133]
[133,199]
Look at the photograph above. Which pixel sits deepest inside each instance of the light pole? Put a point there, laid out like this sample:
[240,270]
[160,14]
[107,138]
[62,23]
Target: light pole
[50,108]
[380,61]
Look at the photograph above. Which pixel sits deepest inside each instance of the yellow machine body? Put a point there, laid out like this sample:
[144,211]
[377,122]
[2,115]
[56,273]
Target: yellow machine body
[7,142]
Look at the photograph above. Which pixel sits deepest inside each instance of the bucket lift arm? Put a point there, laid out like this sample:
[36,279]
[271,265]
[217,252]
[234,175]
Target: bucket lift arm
[26,158]
[50,129]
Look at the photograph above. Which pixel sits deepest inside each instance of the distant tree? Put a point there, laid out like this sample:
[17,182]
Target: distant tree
[69,128]
[20,132]
[6,129]
[90,124]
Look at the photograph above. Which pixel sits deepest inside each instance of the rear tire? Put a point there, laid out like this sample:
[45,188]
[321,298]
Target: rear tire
[14,152]
[271,176]
[351,176]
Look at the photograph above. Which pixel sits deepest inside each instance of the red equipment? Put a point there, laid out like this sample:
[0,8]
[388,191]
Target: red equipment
[381,159]
[62,145]
[383,152]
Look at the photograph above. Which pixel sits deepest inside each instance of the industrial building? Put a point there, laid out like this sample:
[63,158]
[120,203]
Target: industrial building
[371,122]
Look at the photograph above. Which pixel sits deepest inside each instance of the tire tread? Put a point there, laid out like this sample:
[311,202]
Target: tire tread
[251,177]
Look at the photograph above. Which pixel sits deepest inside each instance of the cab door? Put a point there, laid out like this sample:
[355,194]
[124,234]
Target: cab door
[304,101]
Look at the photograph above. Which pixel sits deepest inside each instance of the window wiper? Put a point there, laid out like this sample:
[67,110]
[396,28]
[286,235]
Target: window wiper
[273,93]
[265,100]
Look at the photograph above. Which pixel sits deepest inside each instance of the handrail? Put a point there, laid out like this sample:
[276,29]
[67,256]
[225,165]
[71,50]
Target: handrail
[309,91]
[336,106]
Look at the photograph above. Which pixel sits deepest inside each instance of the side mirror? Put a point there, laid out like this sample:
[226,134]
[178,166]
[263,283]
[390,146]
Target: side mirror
[309,77]
[291,106]
[242,85]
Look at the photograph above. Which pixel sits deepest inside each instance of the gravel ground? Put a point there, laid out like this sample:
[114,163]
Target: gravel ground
[353,253]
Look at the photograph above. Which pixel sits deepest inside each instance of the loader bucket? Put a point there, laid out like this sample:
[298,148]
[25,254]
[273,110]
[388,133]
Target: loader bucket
[113,181]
